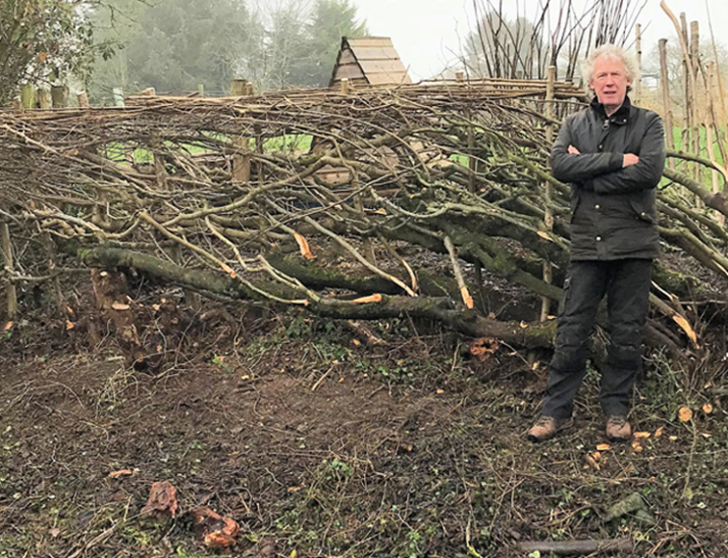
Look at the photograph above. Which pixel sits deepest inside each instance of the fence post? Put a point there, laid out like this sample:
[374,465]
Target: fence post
[666,101]
[241,161]
[118,94]
[59,95]
[7,250]
[27,96]
[44,98]
[638,81]
[548,272]
[82,99]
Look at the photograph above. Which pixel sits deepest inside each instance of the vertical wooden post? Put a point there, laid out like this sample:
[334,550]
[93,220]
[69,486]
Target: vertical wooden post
[82,99]
[118,94]
[59,96]
[11,296]
[17,104]
[345,86]
[44,98]
[241,161]
[548,272]
[696,117]
[638,80]
[201,89]
[709,139]
[688,75]
[666,101]
[239,87]
[27,96]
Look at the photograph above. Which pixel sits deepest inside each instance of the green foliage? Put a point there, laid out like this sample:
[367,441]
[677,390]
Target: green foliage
[177,45]
[45,40]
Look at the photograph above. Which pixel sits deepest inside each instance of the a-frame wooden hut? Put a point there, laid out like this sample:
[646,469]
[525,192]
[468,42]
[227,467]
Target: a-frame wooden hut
[369,61]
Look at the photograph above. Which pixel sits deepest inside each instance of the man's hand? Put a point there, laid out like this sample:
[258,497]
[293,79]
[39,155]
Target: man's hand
[630,159]
[573,150]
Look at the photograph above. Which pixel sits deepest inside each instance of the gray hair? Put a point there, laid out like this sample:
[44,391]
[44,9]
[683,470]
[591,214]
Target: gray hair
[612,52]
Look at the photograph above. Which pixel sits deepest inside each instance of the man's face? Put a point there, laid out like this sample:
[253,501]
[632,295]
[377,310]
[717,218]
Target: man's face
[609,81]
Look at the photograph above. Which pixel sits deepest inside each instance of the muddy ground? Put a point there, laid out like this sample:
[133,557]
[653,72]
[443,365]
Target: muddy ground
[321,438]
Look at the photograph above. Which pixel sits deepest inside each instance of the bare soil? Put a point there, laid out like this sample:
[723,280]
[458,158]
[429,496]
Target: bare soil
[325,440]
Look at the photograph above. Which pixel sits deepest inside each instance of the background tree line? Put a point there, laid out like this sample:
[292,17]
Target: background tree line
[175,46]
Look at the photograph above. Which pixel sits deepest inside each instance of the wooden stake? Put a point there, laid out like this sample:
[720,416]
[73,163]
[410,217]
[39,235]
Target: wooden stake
[59,95]
[7,250]
[82,99]
[17,104]
[666,101]
[638,81]
[548,272]
[118,93]
[345,86]
[695,105]
[44,98]
[27,96]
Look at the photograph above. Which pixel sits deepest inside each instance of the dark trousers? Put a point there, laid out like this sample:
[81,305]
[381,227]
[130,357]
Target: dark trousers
[626,283]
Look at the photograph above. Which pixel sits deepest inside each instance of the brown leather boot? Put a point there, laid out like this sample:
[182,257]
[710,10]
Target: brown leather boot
[618,429]
[547,427]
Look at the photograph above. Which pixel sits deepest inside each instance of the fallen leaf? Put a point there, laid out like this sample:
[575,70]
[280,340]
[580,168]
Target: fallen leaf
[659,431]
[707,408]
[55,532]
[440,391]
[685,414]
[484,347]
[593,462]
[162,499]
[368,299]
[218,531]
[70,325]
[121,473]
[8,326]
[604,447]
[636,446]
[641,435]
[303,246]
[356,342]
[120,306]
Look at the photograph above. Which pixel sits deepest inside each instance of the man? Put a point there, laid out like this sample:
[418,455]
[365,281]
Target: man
[613,155]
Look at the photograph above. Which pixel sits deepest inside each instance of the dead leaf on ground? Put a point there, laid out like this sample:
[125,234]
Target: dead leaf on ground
[659,432]
[484,348]
[636,446]
[685,414]
[604,447]
[162,499]
[639,435]
[592,462]
[121,473]
[8,326]
[218,531]
[70,325]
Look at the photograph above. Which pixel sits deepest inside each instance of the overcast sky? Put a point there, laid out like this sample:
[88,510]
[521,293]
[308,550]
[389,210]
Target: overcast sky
[428,33]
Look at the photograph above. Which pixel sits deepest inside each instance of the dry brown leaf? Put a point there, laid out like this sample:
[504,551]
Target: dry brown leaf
[604,447]
[707,408]
[685,414]
[219,532]
[641,435]
[636,446]
[121,473]
[659,432]
[484,347]
[593,462]
[467,299]
[523,325]
[70,325]
[597,455]
[8,326]
[162,499]
[303,246]
[120,306]
[368,299]
[687,328]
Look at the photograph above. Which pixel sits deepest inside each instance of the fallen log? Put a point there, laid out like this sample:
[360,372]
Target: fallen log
[577,548]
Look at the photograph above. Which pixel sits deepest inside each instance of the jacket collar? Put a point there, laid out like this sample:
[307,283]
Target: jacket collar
[620,117]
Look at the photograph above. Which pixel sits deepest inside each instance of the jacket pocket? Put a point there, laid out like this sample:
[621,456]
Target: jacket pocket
[643,213]
[573,204]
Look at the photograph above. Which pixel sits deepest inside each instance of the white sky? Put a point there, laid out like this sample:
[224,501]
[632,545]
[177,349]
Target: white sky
[427,33]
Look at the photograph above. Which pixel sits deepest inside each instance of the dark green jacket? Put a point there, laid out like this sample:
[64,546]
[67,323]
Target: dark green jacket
[613,212]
